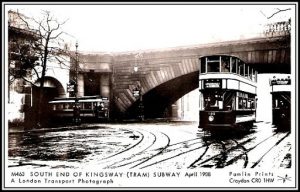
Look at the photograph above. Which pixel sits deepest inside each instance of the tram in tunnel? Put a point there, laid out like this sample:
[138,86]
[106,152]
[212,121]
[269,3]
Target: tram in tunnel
[89,108]
[228,88]
[281,102]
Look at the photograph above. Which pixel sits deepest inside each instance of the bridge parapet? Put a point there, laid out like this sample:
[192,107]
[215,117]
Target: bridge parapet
[96,62]
[282,28]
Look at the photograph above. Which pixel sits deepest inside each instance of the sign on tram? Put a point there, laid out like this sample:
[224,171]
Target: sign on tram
[280,81]
[212,83]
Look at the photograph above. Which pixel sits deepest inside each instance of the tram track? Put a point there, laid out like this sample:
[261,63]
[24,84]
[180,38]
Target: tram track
[162,151]
[179,150]
[202,155]
[127,149]
[244,153]
[201,164]
[223,153]
[135,155]
[134,147]
[279,141]
[150,154]
[142,160]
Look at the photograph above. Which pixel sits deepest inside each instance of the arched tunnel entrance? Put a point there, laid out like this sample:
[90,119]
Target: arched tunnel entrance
[52,88]
[157,100]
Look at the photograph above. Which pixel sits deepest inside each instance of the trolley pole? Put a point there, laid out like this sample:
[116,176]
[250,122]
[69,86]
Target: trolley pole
[76,108]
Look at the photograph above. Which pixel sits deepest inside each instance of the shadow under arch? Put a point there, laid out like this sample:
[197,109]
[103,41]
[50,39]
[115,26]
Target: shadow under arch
[52,88]
[51,83]
[159,98]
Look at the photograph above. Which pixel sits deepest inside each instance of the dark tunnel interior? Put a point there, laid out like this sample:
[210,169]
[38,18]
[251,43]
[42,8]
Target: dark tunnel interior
[158,99]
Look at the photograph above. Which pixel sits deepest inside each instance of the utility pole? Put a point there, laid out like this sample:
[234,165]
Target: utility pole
[76,108]
[137,92]
[76,72]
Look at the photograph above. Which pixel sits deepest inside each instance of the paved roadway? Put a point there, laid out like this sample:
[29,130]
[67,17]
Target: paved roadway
[172,145]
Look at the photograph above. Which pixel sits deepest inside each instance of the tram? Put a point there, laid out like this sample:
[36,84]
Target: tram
[88,108]
[281,101]
[228,90]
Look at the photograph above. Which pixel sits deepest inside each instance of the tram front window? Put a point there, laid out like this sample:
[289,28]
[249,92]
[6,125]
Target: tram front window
[213,67]
[213,102]
[213,64]
[280,104]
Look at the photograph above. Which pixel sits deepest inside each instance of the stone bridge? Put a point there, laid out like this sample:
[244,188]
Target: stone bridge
[166,75]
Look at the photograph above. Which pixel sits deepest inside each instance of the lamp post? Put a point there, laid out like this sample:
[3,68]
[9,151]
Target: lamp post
[76,109]
[137,92]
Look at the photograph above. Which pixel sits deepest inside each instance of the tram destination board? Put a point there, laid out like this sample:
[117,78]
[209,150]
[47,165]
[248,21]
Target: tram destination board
[212,83]
[282,81]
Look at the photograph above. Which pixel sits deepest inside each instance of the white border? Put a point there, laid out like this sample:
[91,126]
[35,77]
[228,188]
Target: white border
[294,68]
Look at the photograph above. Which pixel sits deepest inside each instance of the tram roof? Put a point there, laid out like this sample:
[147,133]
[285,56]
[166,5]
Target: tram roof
[217,55]
[84,99]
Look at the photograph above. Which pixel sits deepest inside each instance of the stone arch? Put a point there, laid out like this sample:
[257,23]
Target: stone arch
[51,82]
[159,98]
[152,79]
[52,88]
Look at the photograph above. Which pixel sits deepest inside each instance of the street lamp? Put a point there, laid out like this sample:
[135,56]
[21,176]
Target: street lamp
[76,108]
[137,91]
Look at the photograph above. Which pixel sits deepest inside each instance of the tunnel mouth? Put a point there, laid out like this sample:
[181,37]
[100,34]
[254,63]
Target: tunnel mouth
[157,101]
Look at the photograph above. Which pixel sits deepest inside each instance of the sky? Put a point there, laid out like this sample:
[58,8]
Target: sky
[123,28]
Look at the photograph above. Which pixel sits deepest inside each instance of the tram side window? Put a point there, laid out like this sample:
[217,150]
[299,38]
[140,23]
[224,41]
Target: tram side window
[229,101]
[225,64]
[233,65]
[95,105]
[246,71]
[241,68]
[252,104]
[68,106]
[87,106]
[249,104]
[254,77]
[242,103]
[203,63]
[245,101]
[250,73]
[60,106]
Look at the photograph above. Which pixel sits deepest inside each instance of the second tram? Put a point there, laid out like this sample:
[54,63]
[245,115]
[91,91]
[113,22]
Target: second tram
[281,102]
[228,89]
[88,108]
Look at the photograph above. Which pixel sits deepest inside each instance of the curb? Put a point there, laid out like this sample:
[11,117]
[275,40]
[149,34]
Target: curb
[84,126]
